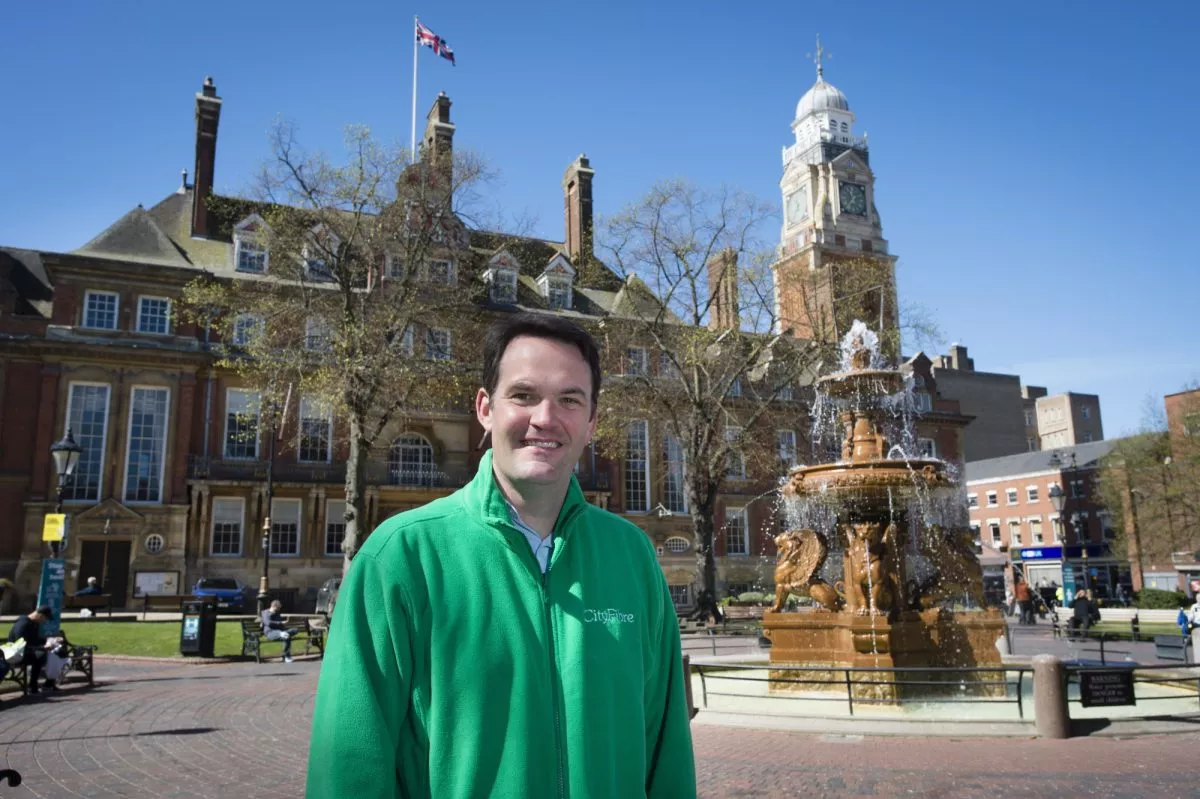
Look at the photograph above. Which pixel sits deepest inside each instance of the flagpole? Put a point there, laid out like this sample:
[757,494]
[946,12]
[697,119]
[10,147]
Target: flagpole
[413,133]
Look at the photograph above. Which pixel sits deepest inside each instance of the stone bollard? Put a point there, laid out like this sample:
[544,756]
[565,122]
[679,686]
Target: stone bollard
[1050,697]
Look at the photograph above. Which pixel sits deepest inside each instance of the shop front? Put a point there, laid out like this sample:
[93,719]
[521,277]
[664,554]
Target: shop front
[1068,565]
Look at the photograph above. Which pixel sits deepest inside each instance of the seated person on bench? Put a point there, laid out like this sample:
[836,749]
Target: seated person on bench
[29,629]
[92,589]
[275,630]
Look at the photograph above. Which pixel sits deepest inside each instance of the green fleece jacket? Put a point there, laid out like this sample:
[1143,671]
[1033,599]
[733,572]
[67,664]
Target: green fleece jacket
[455,668]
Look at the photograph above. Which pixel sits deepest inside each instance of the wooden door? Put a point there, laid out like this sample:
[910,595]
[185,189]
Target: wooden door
[91,563]
[116,572]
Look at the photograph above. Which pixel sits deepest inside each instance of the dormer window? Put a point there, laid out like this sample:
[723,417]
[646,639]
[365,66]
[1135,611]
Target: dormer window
[558,293]
[555,284]
[501,276]
[250,252]
[319,253]
[441,271]
[502,285]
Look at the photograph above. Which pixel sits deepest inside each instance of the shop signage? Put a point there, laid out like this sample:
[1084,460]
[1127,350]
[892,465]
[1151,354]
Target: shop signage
[1042,553]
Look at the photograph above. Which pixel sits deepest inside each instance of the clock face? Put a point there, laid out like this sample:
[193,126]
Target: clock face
[853,198]
[797,206]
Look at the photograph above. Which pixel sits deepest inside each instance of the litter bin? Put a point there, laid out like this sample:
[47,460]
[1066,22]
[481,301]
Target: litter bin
[198,629]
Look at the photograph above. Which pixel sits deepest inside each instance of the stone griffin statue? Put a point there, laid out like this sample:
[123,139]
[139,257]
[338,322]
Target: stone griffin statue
[957,571]
[870,584]
[801,555]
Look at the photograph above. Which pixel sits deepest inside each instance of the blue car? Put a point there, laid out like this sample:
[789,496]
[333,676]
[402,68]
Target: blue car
[231,595]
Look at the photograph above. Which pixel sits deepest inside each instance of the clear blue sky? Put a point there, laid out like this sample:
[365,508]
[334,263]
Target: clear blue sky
[1034,161]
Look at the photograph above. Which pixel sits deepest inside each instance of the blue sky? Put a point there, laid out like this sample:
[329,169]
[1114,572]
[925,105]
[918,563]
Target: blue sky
[1034,165]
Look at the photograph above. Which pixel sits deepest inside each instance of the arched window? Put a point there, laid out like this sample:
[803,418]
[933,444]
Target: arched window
[845,128]
[677,545]
[410,461]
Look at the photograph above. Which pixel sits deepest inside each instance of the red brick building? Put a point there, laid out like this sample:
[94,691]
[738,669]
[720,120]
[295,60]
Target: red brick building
[1011,511]
[170,488]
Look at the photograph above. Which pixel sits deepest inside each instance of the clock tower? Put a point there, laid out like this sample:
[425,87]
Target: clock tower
[832,264]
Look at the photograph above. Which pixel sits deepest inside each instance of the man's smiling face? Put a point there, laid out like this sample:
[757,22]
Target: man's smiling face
[540,415]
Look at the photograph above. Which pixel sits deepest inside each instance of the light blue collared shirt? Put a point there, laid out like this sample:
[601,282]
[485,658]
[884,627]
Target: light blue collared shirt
[542,547]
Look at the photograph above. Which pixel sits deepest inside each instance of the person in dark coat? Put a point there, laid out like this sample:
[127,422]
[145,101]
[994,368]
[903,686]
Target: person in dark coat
[1086,612]
[92,589]
[29,629]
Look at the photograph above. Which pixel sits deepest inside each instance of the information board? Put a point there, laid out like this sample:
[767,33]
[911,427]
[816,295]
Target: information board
[50,592]
[155,583]
[1106,687]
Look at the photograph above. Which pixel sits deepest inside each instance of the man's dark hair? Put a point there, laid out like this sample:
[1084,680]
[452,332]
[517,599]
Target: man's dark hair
[539,326]
[45,610]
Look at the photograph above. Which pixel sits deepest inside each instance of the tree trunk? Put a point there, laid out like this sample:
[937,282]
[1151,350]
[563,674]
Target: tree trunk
[703,535]
[356,478]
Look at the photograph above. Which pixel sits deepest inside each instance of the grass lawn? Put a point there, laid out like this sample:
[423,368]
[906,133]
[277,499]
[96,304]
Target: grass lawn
[150,638]
[1144,630]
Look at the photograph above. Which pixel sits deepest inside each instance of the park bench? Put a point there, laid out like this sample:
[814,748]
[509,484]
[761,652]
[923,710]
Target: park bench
[1171,647]
[93,602]
[253,638]
[163,602]
[743,612]
[79,658]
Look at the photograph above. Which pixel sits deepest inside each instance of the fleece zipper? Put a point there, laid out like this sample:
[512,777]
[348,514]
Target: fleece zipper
[558,742]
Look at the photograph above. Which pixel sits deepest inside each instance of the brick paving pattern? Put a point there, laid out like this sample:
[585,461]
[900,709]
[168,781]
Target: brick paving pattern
[241,730]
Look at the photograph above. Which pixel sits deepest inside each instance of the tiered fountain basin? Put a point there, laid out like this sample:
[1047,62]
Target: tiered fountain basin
[915,640]
[873,481]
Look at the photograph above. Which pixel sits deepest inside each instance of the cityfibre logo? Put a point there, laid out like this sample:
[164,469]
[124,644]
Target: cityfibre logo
[609,616]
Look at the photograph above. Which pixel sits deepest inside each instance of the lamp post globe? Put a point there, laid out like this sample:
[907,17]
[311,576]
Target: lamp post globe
[66,454]
[66,457]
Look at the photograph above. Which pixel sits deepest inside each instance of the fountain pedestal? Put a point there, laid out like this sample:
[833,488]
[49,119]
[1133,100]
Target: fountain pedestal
[829,642]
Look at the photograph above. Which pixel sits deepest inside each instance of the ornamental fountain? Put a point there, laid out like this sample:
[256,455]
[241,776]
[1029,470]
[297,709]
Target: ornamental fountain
[898,527]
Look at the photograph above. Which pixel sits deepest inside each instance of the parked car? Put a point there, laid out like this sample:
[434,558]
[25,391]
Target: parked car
[327,595]
[232,596]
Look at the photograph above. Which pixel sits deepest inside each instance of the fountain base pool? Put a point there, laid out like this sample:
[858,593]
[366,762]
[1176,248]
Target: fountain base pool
[934,638]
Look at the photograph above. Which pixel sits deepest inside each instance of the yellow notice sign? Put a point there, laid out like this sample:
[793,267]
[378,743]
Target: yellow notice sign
[54,527]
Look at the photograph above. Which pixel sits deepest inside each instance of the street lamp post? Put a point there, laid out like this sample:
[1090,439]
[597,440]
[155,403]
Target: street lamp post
[66,457]
[264,581]
[1058,500]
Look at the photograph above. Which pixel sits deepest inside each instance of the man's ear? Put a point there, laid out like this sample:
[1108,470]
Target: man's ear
[483,409]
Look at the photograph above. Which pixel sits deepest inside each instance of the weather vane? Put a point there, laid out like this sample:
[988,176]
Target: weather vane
[820,55]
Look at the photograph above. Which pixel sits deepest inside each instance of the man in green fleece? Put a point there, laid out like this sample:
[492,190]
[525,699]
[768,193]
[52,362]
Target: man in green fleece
[509,640]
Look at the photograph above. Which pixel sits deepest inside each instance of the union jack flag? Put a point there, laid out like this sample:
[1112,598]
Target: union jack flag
[431,40]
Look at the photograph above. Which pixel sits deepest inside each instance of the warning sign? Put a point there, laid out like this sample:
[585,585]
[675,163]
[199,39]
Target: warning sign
[54,528]
[1106,687]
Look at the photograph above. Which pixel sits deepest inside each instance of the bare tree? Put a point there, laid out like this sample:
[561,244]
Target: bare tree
[697,353]
[1150,482]
[365,264]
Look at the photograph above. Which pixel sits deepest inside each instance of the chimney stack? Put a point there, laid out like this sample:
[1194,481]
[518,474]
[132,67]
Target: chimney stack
[439,131]
[577,196]
[208,116]
[723,290]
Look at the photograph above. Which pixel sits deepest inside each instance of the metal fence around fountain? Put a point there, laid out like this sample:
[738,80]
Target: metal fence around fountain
[852,678]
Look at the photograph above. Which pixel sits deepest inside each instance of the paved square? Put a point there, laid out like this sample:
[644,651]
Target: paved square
[241,730]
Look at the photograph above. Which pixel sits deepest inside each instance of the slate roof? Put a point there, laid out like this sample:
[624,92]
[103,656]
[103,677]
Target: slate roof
[1087,456]
[136,237]
[29,278]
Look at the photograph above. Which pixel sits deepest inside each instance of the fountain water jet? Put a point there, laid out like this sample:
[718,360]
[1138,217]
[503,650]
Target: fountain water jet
[907,554]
